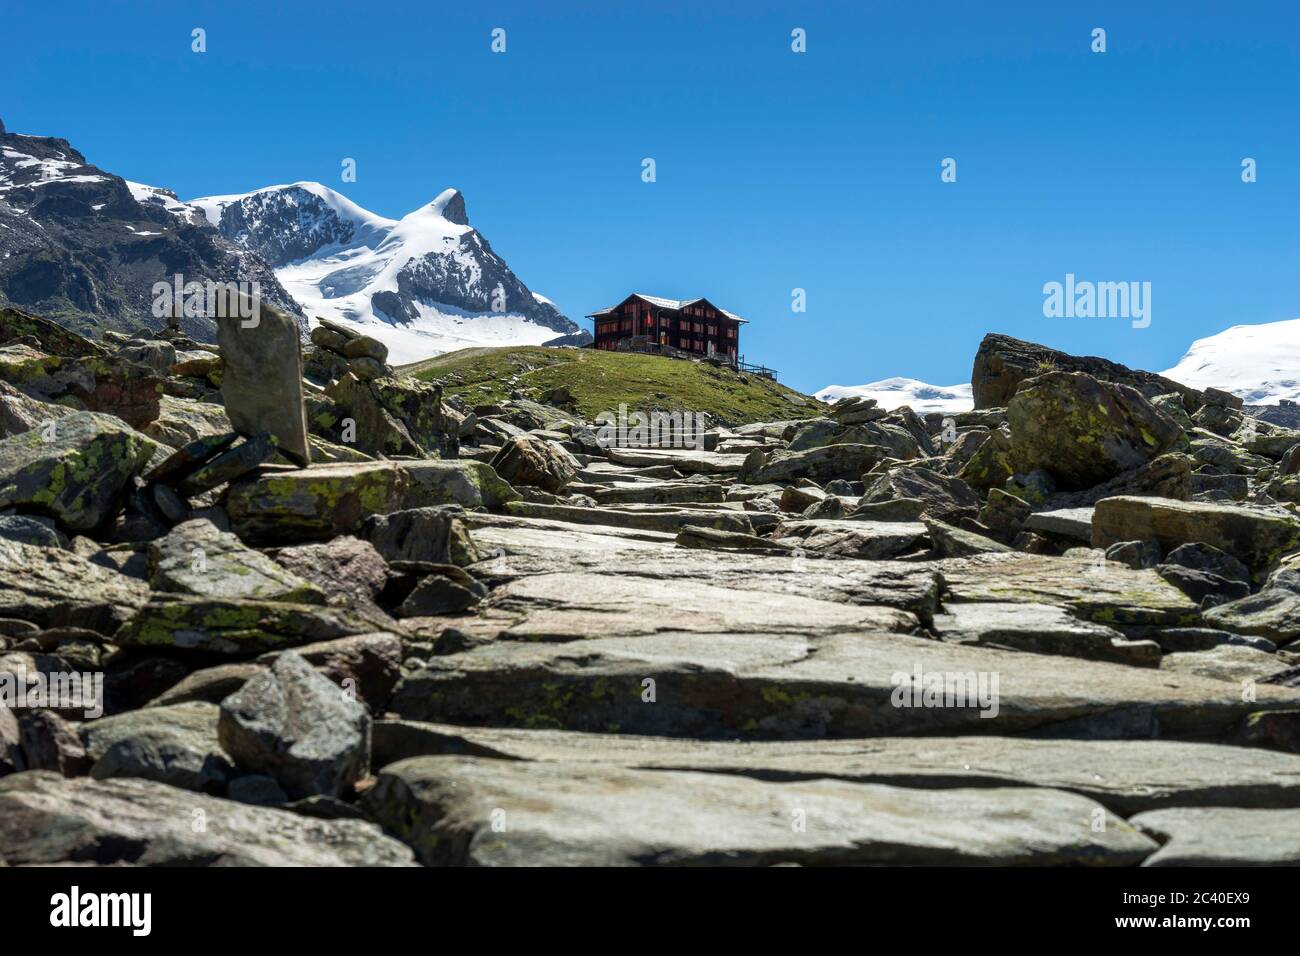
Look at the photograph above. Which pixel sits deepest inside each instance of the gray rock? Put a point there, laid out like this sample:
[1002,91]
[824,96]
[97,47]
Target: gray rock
[1222,836]
[1085,431]
[948,499]
[55,588]
[27,530]
[581,814]
[528,460]
[871,540]
[175,745]
[261,381]
[45,819]
[195,558]
[1075,523]
[81,476]
[1041,629]
[296,725]
[1255,536]
[237,626]
[762,685]
[1127,776]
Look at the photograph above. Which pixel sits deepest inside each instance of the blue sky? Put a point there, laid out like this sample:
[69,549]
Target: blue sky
[775,170]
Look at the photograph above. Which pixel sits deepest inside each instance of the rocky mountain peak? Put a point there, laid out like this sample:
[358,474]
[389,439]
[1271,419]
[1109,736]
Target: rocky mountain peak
[450,205]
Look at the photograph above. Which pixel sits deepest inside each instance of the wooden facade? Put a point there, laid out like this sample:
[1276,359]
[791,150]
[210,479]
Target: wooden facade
[650,323]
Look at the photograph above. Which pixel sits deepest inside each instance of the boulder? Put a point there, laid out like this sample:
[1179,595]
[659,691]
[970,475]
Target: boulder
[297,726]
[820,464]
[1083,431]
[196,558]
[528,460]
[1002,363]
[946,498]
[261,381]
[55,588]
[281,506]
[1255,536]
[175,745]
[237,626]
[77,473]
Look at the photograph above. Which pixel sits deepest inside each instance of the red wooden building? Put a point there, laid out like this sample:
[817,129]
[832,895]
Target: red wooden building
[649,323]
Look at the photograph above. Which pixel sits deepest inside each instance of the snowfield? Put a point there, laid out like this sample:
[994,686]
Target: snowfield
[1261,363]
[891,393]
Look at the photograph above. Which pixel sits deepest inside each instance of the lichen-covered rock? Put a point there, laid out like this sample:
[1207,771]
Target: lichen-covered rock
[196,558]
[96,383]
[55,588]
[470,484]
[76,471]
[1083,431]
[282,506]
[52,337]
[236,627]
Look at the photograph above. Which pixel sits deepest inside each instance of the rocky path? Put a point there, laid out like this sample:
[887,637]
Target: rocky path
[1055,630]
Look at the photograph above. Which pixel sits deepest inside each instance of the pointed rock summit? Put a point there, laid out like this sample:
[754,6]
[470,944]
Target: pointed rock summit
[450,204]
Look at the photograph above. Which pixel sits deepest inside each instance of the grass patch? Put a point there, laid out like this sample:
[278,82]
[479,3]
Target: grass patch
[599,381]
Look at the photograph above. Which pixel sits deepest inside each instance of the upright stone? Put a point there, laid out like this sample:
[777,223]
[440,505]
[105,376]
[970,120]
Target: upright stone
[262,379]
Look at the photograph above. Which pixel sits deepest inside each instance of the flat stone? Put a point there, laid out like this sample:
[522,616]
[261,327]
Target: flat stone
[210,684]
[871,540]
[659,492]
[580,814]
[1227,662]
[234,626]
[1222,836]
[1073,523]
[54,588]
[684,460]
[261,382]
[666,519]
[571,607]
[190,456]
[1041,629]
[1094,590]
[1127,776]
[229,465]
[195,558]
[46,819]
[1255,536]
[785,686]
[470,484]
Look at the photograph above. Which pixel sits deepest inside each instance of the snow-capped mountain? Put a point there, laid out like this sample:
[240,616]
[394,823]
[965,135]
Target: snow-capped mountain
[424,284]
[891,393]
[86,246]
[1261,363]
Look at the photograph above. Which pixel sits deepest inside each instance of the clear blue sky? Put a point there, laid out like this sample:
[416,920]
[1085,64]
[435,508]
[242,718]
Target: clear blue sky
[775,170]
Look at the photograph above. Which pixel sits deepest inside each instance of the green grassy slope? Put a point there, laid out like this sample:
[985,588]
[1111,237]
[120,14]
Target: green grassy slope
[599,381]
